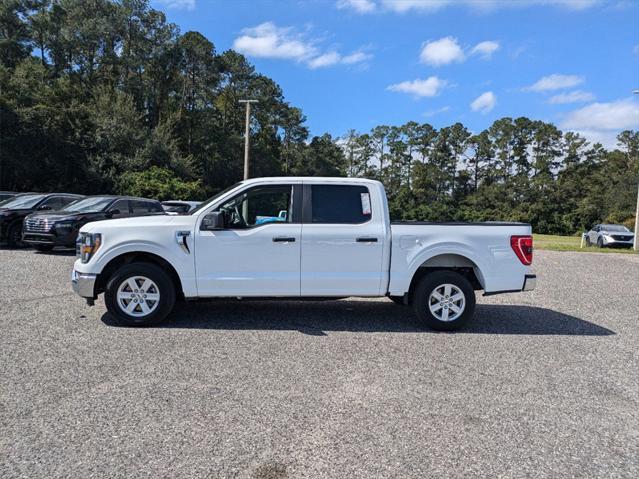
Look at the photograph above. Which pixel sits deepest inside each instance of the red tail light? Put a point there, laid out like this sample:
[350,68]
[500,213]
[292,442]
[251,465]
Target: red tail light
[523,248]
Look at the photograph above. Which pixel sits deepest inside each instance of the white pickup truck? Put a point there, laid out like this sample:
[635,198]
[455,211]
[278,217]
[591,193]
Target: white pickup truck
[299,237]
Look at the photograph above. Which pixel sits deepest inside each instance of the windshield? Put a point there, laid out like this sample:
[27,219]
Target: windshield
[204,204]
[616,228]
[89,205]
[22,202]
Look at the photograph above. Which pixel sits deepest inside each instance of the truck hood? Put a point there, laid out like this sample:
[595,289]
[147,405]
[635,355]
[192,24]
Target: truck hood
[134,223]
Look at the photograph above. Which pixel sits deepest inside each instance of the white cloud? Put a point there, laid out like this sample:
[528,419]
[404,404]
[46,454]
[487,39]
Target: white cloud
[606,137]
[441,52]
[267,40]
[325,60]
[484,102]
[420,88]
[555,82]
[333,58]
[448,50]
[356,57]
[617,115]
[432,6]
[430,113]
[402,6]
[602,122]
[360,6]
[179,4]
[485,49]
[576,96]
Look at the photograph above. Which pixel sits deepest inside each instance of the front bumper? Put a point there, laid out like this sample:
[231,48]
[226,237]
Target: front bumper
[83,284]
[530,281]
[614,242]
[36,238]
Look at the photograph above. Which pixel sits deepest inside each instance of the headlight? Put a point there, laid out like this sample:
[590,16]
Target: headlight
[87,245]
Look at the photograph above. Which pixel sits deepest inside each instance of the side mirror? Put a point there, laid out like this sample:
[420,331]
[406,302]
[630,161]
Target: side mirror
[111,213]
[44,208]
[213,221]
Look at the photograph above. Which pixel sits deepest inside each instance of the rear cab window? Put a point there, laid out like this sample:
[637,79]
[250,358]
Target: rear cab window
[141,207]
[340,204]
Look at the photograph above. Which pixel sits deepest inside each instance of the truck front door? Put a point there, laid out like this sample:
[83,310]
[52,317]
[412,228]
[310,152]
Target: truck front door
[258,252]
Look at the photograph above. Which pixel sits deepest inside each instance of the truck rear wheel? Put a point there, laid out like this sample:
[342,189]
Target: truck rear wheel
[140,294]
[444,300]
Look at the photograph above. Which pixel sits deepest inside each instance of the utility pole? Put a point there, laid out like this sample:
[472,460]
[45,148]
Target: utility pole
[247,133]
[636,242]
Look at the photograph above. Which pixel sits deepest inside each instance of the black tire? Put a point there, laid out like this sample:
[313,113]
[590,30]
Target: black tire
[14,236]
[600,242]
[43,248]
[588,243]
[154,273]
[397,300]
[422,294]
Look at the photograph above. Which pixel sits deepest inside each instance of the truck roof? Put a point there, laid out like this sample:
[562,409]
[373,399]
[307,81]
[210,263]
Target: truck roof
[319,179]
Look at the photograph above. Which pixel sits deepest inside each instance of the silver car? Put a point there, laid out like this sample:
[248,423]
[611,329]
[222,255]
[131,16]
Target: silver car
[179,207]
[610,235]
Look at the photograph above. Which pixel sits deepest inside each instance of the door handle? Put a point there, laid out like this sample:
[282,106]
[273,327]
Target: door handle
[283,239]
[366,240]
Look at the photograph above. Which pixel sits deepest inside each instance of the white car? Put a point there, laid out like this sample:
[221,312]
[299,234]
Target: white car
[610,235]
[299,237]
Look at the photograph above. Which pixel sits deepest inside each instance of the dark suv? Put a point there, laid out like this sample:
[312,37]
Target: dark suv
[5,195]
[46,230]
[14,210]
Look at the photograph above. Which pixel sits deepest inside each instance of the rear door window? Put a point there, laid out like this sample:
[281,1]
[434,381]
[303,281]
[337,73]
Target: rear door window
[155,207]
[340,204]
[140,207]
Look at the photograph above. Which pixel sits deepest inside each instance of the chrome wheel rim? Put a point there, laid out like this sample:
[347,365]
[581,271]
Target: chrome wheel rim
[138,296]
[446,302]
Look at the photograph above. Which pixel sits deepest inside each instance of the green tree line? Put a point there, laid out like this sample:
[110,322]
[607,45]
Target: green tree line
[101,96]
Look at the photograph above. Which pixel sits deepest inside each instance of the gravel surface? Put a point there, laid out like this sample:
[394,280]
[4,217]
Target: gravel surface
[542,384]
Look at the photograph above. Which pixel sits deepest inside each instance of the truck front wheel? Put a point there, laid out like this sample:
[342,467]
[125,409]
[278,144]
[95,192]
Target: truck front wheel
[444,300]
[140,294]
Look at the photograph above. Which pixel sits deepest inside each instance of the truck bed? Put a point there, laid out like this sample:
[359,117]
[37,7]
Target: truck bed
[485,247]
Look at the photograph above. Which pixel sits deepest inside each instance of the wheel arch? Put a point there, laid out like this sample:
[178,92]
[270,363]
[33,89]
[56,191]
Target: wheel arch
[455,262]
[137,257]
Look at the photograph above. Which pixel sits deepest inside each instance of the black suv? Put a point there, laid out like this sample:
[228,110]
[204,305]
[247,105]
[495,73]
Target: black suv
[44,231]
[14,210]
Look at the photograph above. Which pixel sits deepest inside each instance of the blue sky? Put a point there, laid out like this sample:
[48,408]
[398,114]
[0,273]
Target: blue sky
[361,63]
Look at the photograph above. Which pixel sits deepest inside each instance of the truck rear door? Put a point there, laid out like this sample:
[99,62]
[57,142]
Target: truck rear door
[342,241]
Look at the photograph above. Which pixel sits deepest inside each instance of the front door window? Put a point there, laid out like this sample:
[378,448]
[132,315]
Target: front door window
[259,206]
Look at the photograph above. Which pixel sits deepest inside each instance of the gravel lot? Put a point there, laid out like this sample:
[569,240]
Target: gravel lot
[543,384]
